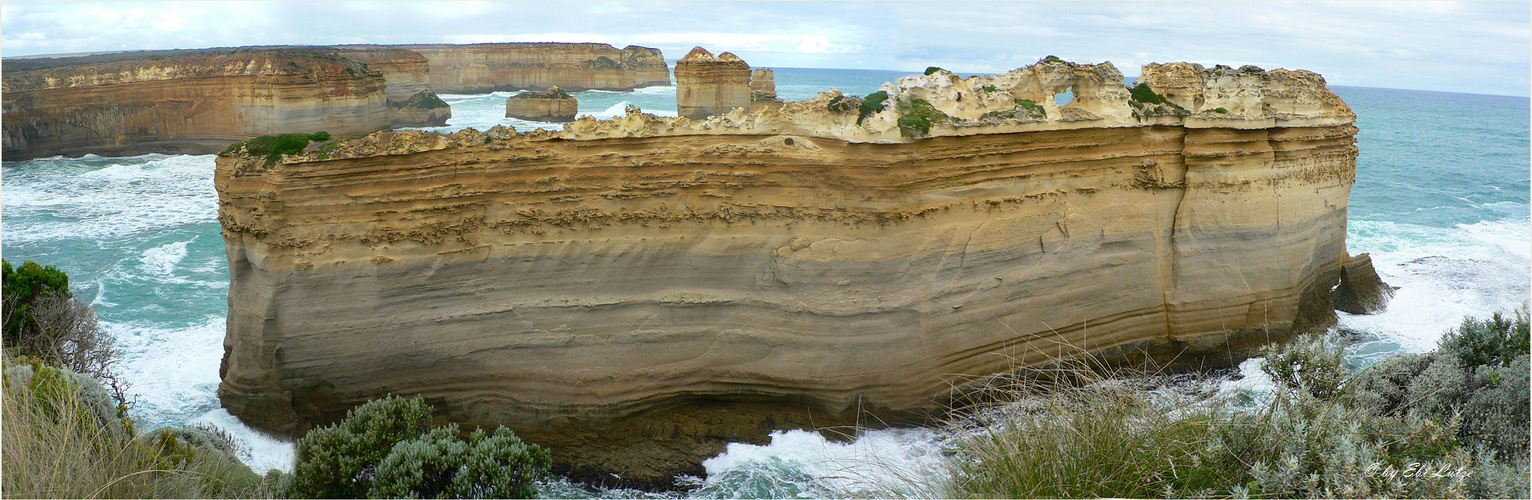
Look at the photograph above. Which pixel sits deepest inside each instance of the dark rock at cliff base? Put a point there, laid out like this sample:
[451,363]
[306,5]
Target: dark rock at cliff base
[1360,290]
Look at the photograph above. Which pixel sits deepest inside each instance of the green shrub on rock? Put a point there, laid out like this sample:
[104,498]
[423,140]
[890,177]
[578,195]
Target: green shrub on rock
[387,448]
[873,103]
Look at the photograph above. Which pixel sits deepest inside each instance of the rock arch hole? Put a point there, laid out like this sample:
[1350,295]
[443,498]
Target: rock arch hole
[1065,97]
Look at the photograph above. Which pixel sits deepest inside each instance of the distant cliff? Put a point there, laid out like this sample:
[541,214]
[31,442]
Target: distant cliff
[186,101]
[488,67]
[637,292]
[411,102]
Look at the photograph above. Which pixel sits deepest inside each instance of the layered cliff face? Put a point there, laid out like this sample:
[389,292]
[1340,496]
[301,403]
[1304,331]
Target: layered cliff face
[553,105]
[635,293]
[488,67]
[191,102]
[708,85]
[411,102]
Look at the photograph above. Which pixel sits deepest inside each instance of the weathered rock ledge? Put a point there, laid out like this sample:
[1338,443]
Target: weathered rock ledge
[636,292]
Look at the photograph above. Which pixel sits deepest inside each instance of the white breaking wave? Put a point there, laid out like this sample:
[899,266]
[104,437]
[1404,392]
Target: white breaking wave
[162,260]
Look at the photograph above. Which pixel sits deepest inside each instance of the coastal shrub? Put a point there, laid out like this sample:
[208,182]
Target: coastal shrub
[23,285]
[439,464]
[336,461]
[1101,439]
[56,446]
[873,103]
[841,104]
[1142,93]
[1423,425]
[44,320]
[1221,111]
[916,117]
[989,88]
[931,70]
[1497,340]
[274,146]
[387,447]
[1310,363]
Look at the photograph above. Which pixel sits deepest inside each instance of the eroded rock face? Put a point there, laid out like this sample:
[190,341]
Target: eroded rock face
[411,102]
[708,85]
[183,102]
[637,292]
[763,84]
[553,105]
[487,67]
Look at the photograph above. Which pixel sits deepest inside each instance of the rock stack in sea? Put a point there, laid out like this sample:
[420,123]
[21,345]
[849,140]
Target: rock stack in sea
[635,293]
[763,88]
[411,102]
[708,85]
[554,105]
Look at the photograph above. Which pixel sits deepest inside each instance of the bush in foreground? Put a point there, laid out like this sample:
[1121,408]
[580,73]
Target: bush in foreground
[387,448]
[43,320]
[1412,426]
[60,440]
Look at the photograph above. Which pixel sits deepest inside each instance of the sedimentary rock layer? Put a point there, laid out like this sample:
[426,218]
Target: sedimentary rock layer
[550,106]
[637,292]
[708,85]
[192,102]
[411,102]
[487,67]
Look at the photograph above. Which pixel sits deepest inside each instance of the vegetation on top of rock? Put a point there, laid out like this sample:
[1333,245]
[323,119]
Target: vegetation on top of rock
[1142,93]
[387,448]
[1220,111]
[870,104]
[758,96]
[274,146]
[932,69]
[842,103]
[425,99]
[916,117]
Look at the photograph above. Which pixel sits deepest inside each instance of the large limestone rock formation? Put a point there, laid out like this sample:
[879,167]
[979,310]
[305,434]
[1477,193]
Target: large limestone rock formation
[188,101]
[763,84]
[411,102]
[707,85]
[487,67]
[552,106]
[636,292]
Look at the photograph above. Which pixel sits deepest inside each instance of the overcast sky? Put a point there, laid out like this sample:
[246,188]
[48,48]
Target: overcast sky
[1475,47]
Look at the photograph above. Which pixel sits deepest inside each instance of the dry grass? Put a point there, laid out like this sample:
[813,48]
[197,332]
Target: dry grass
[54,446]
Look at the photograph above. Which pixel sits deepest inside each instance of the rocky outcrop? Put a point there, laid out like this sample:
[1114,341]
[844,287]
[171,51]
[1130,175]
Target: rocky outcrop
[708,85]
[553,105]
[487,67]
[411,103]
[188,102]
[763,84]
[636,292]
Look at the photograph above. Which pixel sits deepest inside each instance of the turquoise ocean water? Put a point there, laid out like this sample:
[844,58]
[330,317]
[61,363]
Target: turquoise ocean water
[1441,203]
